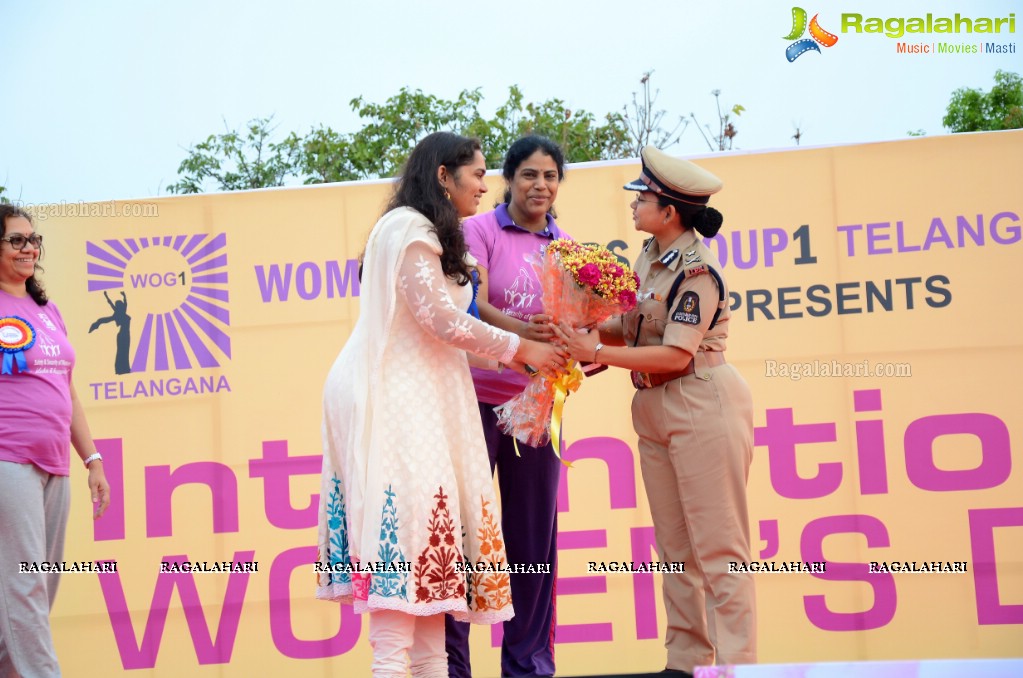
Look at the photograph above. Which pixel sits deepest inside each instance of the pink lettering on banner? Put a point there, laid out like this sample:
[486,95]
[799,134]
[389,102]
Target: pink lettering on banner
[568,586]
[161,483]
[780,436]
[621,469]
[996,454]
[111,526]
[276,469]
[870,450]
[990,609]
[281,630]
[208,650]
[644,545]
[769,535]
[811,547]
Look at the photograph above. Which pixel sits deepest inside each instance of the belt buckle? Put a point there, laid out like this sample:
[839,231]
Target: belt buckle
[641,380]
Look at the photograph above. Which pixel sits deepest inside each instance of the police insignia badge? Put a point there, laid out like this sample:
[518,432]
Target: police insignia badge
[691,257]
[688,309]
[669,256]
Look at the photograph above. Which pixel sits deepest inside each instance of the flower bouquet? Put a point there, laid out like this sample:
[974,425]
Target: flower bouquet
[583,285]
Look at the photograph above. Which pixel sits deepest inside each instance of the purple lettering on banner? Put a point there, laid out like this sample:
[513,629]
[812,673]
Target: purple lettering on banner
[870,450]
[995,450]
[1014,231]
[271,280]
[737,250]
[161,483]
[111,526]
[775,241]
[276,469]
[338,284]
[901,242]
[281,630]
[308,280]
[136,655]
[780,436]
[874,236]
[644,544]
[769,535]
[976,234]
[985,564]
[811,546]
[567,586]
[850,241]
[621,469]
[937,233]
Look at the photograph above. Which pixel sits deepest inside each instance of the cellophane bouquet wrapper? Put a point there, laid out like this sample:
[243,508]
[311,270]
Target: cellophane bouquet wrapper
[582,285]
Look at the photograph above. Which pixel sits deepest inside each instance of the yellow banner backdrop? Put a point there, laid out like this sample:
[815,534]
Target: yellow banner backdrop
[873,315]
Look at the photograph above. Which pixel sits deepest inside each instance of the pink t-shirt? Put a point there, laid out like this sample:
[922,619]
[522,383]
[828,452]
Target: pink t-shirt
[36,423]
[500,246]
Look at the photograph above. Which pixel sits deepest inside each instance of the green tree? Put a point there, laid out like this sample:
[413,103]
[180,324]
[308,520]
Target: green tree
[324,156]
[396,126]
[973,110]
[390,130]
[3,196]
[235,161]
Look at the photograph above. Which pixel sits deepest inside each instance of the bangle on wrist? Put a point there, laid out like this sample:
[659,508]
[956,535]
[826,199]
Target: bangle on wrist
[596,350]
[96,456]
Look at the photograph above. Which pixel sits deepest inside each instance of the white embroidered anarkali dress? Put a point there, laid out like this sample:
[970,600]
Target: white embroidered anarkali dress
[408,515]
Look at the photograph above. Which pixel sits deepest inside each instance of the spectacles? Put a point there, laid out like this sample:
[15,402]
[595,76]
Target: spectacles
[19,241]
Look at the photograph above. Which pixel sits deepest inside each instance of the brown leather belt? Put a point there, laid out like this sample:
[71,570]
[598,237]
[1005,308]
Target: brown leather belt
[642,380]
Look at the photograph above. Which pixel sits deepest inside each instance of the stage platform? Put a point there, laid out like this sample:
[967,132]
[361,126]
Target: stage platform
[931,668]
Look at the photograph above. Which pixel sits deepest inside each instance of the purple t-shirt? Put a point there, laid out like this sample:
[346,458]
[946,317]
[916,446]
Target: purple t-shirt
[36,424]
[500,246]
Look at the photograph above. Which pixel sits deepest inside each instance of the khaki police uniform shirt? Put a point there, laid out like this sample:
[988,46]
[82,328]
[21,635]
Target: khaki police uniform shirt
[696,301]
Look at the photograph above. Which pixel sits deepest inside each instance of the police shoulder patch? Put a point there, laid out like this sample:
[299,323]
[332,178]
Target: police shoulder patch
[688,309]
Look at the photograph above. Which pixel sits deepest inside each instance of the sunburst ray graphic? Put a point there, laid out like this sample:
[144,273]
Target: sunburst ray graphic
[195,333]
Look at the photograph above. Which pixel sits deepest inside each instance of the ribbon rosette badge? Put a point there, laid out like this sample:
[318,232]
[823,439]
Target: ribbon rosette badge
[818,35]
[16,337]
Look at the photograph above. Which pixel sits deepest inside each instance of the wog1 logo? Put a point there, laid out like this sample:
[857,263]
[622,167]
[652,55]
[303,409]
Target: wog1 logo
[170,292]
[818,35]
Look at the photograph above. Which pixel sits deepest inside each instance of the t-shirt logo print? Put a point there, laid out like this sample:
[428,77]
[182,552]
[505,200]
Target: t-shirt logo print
[522,292]
[177,289]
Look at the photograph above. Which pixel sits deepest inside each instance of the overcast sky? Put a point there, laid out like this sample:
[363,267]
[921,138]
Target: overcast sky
[102,98]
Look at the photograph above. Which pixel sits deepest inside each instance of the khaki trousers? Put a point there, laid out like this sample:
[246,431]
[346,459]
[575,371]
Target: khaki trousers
[695,446]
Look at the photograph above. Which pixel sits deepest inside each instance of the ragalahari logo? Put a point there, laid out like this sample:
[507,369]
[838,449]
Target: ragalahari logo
[818,35]
[176,288]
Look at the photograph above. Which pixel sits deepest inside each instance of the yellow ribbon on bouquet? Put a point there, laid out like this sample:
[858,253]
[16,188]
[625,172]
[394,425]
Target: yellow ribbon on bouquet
[567,382]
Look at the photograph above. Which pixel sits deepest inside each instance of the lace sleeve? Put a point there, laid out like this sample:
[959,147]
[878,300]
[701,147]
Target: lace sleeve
[422,286]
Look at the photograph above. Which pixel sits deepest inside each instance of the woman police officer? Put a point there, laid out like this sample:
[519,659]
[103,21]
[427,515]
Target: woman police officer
[692,411]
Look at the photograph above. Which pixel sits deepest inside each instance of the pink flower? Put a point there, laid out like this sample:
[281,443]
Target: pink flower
[616,271]
[627,298]
[589,274]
